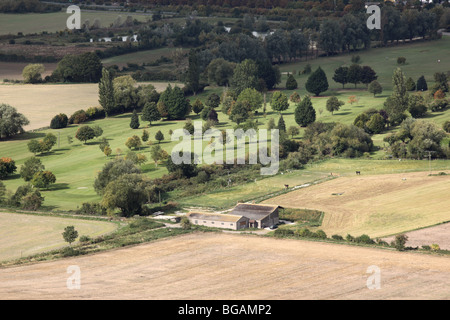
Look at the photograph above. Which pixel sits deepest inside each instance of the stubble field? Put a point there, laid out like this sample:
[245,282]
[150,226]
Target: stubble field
[376,205]
[224,266]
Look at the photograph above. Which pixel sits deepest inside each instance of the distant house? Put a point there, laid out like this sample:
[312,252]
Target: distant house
[244,215]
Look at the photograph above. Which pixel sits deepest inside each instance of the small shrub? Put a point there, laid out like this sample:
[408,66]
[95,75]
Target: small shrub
[85,239]
[401,60]
[435,247]
[59,121]
[321,234]
[337,237]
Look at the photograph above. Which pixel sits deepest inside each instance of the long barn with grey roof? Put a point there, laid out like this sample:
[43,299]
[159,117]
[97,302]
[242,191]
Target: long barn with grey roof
[244,215]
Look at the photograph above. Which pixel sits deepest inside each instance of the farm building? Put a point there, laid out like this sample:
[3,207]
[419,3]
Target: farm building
[226,221]
[260,216]
[242,216]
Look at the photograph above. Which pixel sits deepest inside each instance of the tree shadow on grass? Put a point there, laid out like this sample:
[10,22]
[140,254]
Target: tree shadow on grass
[59,186]
[25,136]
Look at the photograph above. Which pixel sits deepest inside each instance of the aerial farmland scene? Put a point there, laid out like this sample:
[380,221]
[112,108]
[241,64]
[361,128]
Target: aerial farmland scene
[225,150]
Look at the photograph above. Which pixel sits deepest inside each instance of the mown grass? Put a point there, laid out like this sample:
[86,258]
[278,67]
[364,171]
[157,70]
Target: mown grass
[76,165]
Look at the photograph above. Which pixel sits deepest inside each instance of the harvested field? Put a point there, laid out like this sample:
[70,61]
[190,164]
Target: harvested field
[40,102]
[22,235]
[224,266]
[439,234]
[376,205]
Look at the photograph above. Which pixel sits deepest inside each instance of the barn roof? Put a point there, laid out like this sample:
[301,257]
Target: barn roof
[253,211]
[214,216]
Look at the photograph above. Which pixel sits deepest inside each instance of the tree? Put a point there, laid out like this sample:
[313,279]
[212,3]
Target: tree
[187,170]
[333,104]
[446,126]
[70,234]
[293,131]
[376,124]
[158,154]
[85,133]
[128,193]
[220,71]
[440,78]
[145,136]
[341,76]
[281,124]
[367,75]
[304,112]
[32,73]
[244,76]
[253,97]
[397,103]
[410,84]
[12,122]
[133,142]
[291,83]
[106,92]
[421,84]
[42,146]
[240,111]
[159,136]
[98,131]
[213,100]
[150,112]
[279,101]
[400,242]
[317,82]
[193,73]
[7,167]
[111,171]
[330,37]
[375,88]
[417,106]
[175,104]
[134,122]
[86,67]
[43,179]
[30,167]
[197,107]
[354,74]
[126,96]
[59,121]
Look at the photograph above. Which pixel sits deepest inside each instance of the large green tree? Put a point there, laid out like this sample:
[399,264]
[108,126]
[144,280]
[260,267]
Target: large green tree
[175,103]
[317,82]
[106,92]
[244,76]
[11,121]
[304,112]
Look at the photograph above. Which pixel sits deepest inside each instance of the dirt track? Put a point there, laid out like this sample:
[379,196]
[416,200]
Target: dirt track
[225,266]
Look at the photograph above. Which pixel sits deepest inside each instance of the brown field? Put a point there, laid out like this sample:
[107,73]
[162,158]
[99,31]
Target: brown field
[376,205]
[225,266]
[434,235]
[40,102]
[13,70]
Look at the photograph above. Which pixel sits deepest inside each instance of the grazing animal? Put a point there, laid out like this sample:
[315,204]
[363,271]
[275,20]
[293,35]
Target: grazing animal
[286,186]
[358,172]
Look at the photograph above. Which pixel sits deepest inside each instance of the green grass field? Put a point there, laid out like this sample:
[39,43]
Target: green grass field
[76,165]
[15,229]
[56,21]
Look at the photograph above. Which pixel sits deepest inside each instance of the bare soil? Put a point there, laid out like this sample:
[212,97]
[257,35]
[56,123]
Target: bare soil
[226,266]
